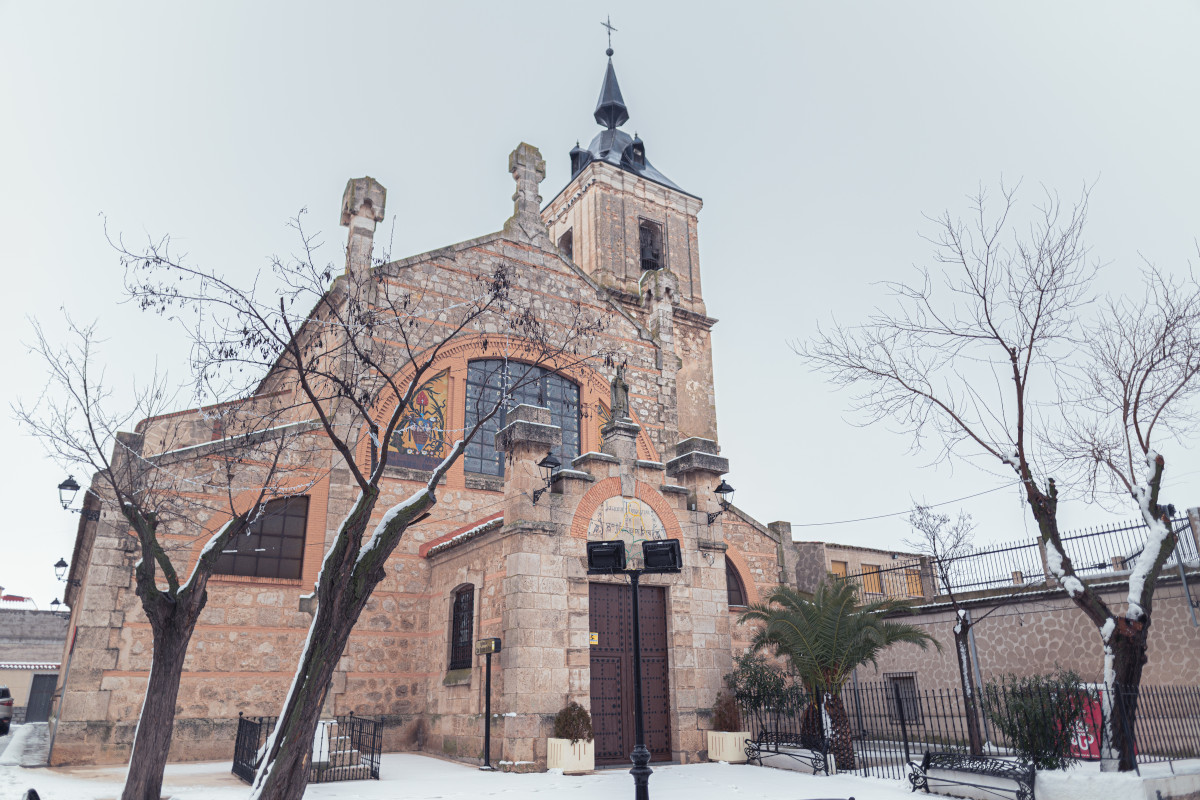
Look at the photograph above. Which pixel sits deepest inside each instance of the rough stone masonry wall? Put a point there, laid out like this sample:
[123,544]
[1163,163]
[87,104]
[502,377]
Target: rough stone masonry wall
[27,635]
[1032,636]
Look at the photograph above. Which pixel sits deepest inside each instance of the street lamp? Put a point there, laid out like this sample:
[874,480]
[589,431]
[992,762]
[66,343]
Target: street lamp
[725,492]
[60,570]
[55,605]
[66,495]
[547,465]
[608,558]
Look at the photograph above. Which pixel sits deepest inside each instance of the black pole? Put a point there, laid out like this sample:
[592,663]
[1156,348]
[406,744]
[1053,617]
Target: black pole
[903,721]
[487,714]
[640,755]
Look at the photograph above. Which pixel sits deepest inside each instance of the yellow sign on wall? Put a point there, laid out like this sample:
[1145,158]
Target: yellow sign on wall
[595,637]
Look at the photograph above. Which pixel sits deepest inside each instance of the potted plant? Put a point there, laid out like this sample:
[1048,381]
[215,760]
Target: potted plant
[727,740]
[571,749]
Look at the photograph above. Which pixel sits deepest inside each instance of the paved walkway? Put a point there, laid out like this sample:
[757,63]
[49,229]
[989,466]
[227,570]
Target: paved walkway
[26,745]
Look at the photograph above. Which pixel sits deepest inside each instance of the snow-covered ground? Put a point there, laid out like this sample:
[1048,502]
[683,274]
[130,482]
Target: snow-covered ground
[418,777]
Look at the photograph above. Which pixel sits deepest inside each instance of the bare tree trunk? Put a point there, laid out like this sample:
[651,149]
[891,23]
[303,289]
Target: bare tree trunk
[1129,657]
[962,648]
[152,742]
[343,589]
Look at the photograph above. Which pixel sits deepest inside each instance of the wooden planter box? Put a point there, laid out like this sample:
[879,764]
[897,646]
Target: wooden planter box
[578,757]
[727,746]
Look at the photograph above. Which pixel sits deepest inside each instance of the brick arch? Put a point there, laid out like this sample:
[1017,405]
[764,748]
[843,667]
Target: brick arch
[611,487]
[592,389]
[743,569]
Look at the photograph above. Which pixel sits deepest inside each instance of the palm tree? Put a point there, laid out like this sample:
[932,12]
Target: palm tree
[824,636]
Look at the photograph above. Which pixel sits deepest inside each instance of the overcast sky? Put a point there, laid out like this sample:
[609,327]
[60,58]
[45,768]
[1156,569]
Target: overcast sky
[817,134]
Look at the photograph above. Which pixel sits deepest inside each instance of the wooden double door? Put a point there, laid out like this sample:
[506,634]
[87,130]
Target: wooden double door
[611,623]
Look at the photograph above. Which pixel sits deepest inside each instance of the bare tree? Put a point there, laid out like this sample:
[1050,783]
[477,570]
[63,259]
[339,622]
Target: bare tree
[985,362]
[172,491]
[355,362]
[1141,380]
[947,544]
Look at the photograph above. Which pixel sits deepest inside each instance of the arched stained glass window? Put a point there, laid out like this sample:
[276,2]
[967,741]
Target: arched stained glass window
[488,380]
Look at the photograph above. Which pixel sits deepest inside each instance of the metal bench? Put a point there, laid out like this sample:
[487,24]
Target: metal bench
[1021,774]
[805,749]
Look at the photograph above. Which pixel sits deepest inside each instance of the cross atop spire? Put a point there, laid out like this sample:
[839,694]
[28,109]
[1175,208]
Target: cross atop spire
[608,24]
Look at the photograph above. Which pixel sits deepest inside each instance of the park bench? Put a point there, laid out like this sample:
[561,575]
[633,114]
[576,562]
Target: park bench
[1022,775]
[808,750]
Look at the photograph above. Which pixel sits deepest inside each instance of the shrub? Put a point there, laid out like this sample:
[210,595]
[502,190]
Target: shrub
[725,713]
[574,723]
[754,677]
[1039,715]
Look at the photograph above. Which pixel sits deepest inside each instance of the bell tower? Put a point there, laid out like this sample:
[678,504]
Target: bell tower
[634,231]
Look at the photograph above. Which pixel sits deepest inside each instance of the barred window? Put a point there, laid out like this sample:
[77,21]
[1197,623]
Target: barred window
[272,546]
[462,618]
[903,699]
[734,587]
[488,380]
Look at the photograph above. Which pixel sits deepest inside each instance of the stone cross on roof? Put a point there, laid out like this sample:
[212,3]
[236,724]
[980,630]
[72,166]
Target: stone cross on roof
[528,169]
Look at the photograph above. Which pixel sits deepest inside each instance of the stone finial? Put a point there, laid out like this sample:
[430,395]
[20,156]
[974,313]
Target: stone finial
[362,206]
[528,169]
[364,197]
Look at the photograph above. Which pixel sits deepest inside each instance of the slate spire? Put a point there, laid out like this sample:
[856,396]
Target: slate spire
[610,108]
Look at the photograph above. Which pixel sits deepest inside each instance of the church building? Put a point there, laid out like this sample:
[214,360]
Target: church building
[641,461]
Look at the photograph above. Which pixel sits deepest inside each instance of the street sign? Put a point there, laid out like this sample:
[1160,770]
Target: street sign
[484,646]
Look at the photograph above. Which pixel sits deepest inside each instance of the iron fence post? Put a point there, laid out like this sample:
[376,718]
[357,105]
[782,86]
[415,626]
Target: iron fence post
[903,725]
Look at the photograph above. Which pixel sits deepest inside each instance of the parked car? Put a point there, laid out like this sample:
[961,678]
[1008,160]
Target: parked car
[6,708]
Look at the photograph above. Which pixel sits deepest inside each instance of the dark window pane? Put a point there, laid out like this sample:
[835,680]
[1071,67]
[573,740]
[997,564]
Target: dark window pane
[273,546]
[461,625]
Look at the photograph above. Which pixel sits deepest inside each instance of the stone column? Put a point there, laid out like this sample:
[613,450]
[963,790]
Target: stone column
[698,466]
[525,439]
[362,207]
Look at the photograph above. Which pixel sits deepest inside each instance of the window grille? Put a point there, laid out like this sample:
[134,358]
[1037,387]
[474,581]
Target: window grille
[838,568]
[487,382]
[909,704]
[271,547]
[461,622]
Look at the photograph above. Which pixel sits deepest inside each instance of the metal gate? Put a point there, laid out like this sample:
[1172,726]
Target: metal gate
[41,697]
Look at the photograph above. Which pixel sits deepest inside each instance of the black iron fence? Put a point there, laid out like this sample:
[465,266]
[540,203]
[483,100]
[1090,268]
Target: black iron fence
[1095,552]
[875,729]
[347,748]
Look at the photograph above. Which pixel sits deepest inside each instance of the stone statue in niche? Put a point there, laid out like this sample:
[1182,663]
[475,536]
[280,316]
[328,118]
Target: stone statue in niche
[620,395]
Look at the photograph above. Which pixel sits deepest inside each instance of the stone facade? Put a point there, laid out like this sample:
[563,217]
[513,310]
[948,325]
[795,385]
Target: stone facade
[523,562]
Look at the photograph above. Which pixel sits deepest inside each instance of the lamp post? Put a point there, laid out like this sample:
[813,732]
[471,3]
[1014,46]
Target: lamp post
[608,558]
[725,492]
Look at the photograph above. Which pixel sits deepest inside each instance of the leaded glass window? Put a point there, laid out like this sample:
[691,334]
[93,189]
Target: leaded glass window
[488,380]
[272,546]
